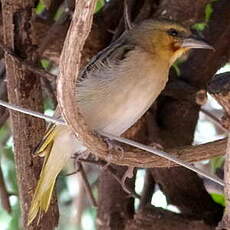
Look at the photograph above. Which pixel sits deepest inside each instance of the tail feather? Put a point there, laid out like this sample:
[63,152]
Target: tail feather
[45,142]
[41,199]
[58,145]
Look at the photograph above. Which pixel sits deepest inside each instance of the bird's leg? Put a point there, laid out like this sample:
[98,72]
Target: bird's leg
[76,158]
[83,155]
[114,148]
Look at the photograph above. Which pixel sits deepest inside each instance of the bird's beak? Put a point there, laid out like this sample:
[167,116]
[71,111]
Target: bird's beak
[195,43]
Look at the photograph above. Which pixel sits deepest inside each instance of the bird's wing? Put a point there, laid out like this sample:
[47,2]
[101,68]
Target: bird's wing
[46,142]
[114,53]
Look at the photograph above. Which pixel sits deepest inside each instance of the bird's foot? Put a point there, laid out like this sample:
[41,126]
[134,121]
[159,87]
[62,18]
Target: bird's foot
[114,149]
[82,155]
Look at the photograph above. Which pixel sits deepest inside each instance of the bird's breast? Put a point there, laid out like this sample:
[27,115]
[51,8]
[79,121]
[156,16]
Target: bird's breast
[116,104]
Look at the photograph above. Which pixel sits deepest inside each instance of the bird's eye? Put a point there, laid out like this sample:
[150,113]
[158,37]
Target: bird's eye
[173,32]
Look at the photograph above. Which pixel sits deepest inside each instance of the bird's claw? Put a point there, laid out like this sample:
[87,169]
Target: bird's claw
[114,148]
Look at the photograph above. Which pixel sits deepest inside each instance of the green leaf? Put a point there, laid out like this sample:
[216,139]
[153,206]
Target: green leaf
[45,63]
[208,12]
[199,26]
[216,162]
[207,15]
[99,5]
[40,8]
[177,69]
[218,198]
[47,3]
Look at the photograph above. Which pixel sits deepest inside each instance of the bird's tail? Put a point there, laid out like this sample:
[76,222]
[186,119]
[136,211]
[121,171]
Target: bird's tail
[57,146]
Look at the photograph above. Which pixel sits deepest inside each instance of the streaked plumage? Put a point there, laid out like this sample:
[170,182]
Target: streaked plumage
[114,90]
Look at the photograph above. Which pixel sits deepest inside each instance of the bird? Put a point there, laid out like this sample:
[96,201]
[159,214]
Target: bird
[114,90]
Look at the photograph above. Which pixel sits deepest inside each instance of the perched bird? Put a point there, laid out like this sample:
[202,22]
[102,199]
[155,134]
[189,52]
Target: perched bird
[114,90]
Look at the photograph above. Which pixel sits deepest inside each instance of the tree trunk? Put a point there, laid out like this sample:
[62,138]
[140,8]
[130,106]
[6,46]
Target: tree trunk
[24,89]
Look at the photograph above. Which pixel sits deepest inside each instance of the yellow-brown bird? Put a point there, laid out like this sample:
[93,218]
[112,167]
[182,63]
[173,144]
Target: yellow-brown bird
[114,90]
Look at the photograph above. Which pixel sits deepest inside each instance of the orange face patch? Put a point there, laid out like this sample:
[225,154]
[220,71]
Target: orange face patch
[175,46]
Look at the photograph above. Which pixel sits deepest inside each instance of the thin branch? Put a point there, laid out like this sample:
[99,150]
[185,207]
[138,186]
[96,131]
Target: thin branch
[52,33]
[28,65]
[214,119]
[112,172]
[164,155]
[32,113]
[4,194]
[127,16]
[86,183]
[51,92]
[137,158]
[148,190]
[219,87]
[121,183]
[225,223]
[4,117]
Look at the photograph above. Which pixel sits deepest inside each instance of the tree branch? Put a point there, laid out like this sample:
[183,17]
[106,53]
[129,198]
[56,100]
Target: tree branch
[156,218]
[132,157]
[219,88]
[4,196]
[24,89]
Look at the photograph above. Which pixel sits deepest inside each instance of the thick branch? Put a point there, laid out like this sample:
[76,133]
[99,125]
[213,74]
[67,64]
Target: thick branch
[24,89]
[187,154]
[69,68]
[156,218]
[219,88]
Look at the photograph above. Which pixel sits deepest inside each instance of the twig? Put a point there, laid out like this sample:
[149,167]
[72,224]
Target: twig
[4,194]
[128,190]
[126,16]
[113,173]
[52,33]
[128,155]
[32,113]
[214,119]
[225,222]
[28,65]
[164,155]
[147,192]
[86,183]
[50,90]
[4,117]
[219,87]
[69,69]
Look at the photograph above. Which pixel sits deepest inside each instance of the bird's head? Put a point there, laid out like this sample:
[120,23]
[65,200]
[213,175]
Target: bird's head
[167,39]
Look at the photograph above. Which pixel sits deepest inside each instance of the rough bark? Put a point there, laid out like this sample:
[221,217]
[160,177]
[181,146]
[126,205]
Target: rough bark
[24,89]
[116,206]
[177,118]
[4,196]
[190,121]
[175,132]
[156,218]
[219,88]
